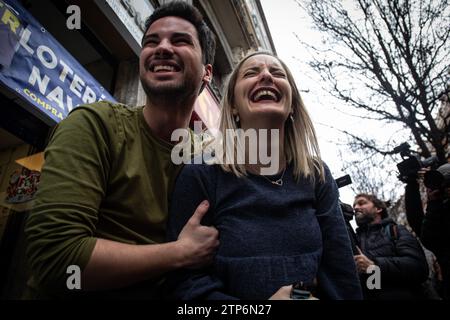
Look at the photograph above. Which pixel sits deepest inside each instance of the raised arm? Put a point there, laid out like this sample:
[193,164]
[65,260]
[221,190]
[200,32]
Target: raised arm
[413,205]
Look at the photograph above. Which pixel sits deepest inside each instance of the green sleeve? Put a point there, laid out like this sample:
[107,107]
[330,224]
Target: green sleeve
[61,227]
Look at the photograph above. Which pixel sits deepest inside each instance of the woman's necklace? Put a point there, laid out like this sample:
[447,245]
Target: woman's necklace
[278,182]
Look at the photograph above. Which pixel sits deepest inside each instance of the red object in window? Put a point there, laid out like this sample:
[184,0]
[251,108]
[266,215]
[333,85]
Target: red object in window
[207,109]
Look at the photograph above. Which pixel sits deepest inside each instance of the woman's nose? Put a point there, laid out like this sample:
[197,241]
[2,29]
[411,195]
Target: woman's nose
[265,76]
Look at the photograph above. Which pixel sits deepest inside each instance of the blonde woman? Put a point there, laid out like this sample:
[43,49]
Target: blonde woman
[275,230]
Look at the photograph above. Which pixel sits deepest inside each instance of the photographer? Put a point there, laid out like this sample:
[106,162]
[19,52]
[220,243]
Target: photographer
[433,228]
[391,248]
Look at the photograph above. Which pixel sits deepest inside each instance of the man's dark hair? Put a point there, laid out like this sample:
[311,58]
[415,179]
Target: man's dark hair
[376,202]
[190,13]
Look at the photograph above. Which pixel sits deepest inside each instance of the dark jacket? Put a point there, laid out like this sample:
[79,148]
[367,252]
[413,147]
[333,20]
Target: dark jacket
[436,237]
[400,258]
[432,228]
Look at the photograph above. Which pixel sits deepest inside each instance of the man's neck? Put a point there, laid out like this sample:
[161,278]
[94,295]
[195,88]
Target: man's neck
[164,118]
[377,220]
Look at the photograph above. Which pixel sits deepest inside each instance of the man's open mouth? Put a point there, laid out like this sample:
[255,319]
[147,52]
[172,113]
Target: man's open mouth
[164,67]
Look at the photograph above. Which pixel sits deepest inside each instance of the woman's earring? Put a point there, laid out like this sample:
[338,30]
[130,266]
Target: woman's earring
[292,117]
[237,119]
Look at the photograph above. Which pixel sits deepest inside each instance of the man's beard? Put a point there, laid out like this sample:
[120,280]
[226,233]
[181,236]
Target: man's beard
[168,91]
[364,218]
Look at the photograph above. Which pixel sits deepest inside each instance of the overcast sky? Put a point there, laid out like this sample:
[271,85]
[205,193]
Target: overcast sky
[285,19]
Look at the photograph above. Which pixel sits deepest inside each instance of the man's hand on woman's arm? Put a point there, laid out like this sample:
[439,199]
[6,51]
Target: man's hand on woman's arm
[114,264]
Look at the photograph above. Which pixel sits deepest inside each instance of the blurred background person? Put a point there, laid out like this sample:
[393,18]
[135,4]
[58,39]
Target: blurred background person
[391,248]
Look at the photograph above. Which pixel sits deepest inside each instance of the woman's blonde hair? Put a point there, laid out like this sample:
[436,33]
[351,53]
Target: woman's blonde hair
[301,147]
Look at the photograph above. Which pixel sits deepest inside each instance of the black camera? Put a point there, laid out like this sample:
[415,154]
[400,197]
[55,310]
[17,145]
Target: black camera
[343,181]
[347,210]
[412,163]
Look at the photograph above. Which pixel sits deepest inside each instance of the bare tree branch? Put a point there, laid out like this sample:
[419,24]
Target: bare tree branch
[397,51]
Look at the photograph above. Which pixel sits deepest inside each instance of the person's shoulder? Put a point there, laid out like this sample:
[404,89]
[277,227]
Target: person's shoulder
[401,228]
[321,166]
[400,231]
[112,117]
[326,168]
[103,109]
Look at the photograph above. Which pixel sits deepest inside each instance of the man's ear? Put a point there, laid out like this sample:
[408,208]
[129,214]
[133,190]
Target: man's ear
[207,76]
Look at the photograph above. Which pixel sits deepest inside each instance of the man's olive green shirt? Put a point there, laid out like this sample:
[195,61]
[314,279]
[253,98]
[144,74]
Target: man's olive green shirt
[105,176]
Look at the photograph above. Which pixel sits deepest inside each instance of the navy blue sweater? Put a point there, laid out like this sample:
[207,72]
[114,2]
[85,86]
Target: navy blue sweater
[270,236]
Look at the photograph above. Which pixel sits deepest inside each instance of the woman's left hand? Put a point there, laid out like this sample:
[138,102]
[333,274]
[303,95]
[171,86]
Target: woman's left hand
[284,293]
